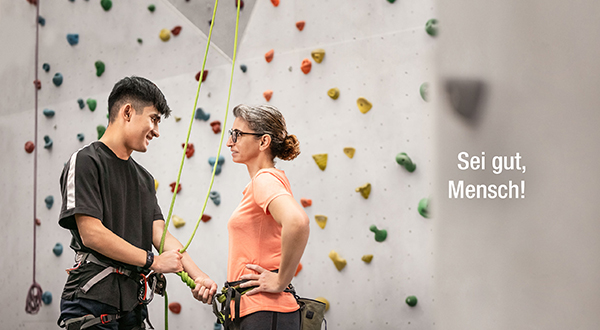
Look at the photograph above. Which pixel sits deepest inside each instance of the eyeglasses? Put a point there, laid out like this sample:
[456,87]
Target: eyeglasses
[234,133]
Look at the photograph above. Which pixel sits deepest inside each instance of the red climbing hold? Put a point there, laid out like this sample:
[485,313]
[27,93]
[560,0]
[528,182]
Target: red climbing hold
[33,2]
[241,4]
[306,202]
[173,187]
[38,84]
[269,55]
[267,94]
[300,25]
[275,2]
[189,152]
[306,65]
[38,222]
[29,147]
[204,75]
[216,126]
[205,218]
[176,30]
[175,307]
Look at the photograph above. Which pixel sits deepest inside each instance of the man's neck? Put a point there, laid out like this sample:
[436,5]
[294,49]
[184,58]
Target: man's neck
[115,143]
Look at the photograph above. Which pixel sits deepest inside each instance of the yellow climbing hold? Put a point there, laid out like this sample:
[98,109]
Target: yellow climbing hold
[155,184]
[349,152]
[334,93]
[337,260]
[325,301]
[365,190]
[165,34]
[177,119]
[367,258]
[321,160]
[318,55]
[177,221]
[363,105]
[321,220]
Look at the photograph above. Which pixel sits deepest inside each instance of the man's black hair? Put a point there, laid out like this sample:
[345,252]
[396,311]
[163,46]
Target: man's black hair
[139,91]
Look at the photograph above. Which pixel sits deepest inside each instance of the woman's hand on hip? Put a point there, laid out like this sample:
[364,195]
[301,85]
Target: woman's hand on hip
[265,281]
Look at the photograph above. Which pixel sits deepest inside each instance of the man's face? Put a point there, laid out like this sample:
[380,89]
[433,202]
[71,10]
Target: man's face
[142,128]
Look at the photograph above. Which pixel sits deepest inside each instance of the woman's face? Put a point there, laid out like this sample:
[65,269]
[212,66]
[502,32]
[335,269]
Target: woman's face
[247,146]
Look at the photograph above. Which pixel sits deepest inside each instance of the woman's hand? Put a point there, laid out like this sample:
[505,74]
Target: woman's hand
[265,281]
[205,290]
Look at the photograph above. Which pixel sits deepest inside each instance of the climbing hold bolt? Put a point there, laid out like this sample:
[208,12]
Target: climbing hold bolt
[300,25]
[424,207]
[152,8]
[268,94]
[106,4]
[349,151]
[243,67]
[100,67]
[306,66]
[269,55]
[215,197]
[213,160]
[201,115]
[334,93]
[189,152]
[73,39]
[321,220]
[318,55]
[49,200]
[91,104]
[81,103]
[363,105]
[380,234]
[177,221]
[275,2]
[204,75]
[48,141]
[29,147]
[411,301]
[321,160]
[48,113]
[432,27]
[165,35]
[403,160]
[306,202]
[424,91]
[100,129]
[173,184]
[175,307]
[57,79]
[80,137]
[367,258]
[338,261]
[47,297]
[57,249]
[46,67]
[176,30]
[325,301]
[365,190]
[216,126]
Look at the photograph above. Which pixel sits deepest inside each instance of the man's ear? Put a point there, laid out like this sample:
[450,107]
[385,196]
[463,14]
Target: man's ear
[126,111]
[265,142]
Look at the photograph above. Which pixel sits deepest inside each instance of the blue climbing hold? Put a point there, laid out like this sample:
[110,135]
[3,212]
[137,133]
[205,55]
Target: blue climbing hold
[201,115]
[49,113]
[213,160]
[46,67]
[81,103]
[58,79]
[47,297]
[80,137]
[215,196]
[41,20]
[49,201]
[58,249]
[244,68]
[73,39]
[48,141]
[217,326]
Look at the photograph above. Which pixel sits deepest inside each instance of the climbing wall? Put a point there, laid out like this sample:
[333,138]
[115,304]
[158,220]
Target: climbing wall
[378,52]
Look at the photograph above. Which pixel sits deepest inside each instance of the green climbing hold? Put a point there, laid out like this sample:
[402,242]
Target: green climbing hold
[424,207]
[411,301]
[152,8]
[91,104]
[101,129]
[380,234]
[100,67]
[403,160]
[424,90]
[391,1]
[432,27]
[106,4]
[140,40]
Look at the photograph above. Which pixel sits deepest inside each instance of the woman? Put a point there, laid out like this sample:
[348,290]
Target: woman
[268,230]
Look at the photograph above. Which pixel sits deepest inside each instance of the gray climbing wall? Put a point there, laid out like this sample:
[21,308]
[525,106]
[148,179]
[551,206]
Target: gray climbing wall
[376,50]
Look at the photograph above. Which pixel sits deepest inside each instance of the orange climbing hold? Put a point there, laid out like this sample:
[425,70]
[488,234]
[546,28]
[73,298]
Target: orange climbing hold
[216,126]
[306,65]
[267,94]
[298,269]
[275,2]
[306,202]
[269,55]
[300,25]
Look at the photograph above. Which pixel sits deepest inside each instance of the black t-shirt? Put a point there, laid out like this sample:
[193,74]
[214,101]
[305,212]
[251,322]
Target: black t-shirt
[121,194]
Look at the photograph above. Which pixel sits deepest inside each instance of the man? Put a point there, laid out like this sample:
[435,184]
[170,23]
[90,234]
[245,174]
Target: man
[109,205]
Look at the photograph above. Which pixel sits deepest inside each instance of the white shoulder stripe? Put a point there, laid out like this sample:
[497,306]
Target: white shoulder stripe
[71,182]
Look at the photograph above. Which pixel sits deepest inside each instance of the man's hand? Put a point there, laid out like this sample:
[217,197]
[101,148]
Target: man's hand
[168,262]
[205,290]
